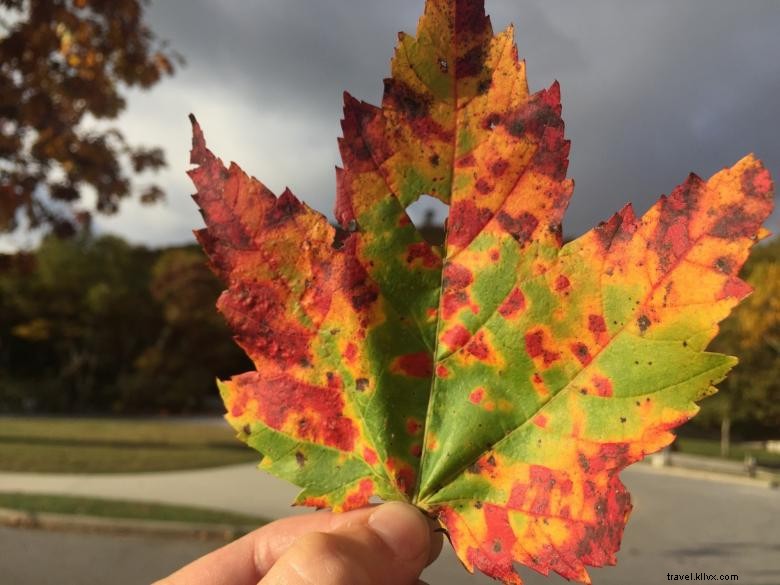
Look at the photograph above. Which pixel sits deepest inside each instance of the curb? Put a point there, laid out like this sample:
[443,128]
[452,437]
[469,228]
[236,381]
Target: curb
[708,475]
[76,522]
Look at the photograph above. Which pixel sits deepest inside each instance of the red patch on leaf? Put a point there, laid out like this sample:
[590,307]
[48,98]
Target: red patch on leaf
[370,456]
[315,502]
[359,498]
[318,411]
[596,324]
[478,348]
[442,371]
[734,288]
[494,556]
[598,327]
[403,473]
[413,426]
[456,276]
[483,187]
[534,346]
[476,396]
[562,283]
[603,386]
[256,313]
[540,420]
[513,304]
[456,337]
[350,352]
[466,220]
[423,251]
[415,365]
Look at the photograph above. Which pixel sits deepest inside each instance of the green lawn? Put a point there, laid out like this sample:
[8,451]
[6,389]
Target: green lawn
[711,448]
[58,445]
[122,509]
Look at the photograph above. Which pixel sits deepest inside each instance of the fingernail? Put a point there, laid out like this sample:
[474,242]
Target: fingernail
[402,528]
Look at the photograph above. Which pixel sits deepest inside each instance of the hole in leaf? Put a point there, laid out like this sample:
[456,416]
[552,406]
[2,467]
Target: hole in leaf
[428,215]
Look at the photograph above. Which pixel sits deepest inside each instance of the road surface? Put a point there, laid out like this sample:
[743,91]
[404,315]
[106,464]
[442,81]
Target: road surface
[679,525]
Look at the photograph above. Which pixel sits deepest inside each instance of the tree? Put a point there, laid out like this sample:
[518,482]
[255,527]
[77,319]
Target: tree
[176,372]
[75,323]
[751,393]
[62,63]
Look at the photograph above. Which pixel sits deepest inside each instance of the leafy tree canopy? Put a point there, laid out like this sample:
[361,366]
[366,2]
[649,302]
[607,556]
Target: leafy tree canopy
[64,64]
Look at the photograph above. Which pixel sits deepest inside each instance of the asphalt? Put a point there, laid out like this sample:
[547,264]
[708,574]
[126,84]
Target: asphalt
[680,524]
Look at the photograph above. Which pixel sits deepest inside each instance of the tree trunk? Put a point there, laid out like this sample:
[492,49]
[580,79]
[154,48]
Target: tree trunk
[725,435]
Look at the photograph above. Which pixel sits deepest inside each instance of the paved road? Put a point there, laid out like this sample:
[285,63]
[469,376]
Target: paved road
[679,525]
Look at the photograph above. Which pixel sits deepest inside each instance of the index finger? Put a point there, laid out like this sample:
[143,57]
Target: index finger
[246,560]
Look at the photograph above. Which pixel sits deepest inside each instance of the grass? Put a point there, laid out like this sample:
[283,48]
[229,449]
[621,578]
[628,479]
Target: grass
[59,445]
[711,448]
[122,509]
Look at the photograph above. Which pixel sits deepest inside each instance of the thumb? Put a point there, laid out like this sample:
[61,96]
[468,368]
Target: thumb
[392,546]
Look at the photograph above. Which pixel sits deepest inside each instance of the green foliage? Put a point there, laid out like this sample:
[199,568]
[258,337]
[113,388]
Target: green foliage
[97,325]
[750,397]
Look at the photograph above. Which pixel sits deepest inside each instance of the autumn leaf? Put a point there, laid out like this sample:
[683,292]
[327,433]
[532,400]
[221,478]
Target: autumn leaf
[501,382]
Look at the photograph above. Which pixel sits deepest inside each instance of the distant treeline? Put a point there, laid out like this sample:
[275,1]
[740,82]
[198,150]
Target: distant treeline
[96,325]
[92,325]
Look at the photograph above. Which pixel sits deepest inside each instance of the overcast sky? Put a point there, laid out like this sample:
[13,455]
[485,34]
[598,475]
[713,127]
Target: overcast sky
[651,91]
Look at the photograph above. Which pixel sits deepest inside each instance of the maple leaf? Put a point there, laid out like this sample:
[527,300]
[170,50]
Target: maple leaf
[500,382]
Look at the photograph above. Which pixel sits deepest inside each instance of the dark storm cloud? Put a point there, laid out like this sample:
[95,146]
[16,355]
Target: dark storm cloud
[651,90]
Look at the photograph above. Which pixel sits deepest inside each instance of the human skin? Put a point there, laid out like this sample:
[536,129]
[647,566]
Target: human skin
[389,544]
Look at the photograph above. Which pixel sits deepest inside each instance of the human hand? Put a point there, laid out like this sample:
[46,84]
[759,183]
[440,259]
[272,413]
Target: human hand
[389,544]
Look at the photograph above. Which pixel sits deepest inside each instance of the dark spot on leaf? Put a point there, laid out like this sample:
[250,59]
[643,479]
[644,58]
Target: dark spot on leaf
[434,160]
[516,128]
[499,167]
[361,384]
[583,391]
[643,322]
[491,461]
[484,86]
[520,227]
[478,505]
[622,419]
[483,187]
[471,63]
[405,99]
[247,429]
[583,461]
[474,468]
[300,458]
[443,65]
[685,344]
[497,546]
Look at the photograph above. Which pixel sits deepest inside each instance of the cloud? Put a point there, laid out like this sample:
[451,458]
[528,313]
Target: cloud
[651,90]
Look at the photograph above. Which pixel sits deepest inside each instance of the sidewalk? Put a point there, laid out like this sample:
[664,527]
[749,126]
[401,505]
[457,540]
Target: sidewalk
[248,490]
[237,488]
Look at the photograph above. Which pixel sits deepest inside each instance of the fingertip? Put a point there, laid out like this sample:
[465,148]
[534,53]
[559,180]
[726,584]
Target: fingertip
[404,530]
